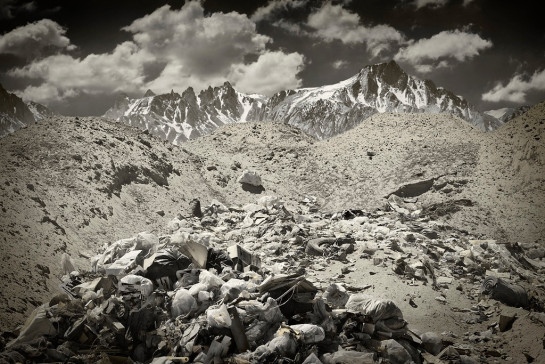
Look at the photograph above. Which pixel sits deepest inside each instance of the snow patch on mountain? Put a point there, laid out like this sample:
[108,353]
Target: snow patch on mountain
[507,113]
[321,112]
[498,113]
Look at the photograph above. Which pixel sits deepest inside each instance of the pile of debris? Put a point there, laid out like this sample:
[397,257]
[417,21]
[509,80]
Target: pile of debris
[233,285]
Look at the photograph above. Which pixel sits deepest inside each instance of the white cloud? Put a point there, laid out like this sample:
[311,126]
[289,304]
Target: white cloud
[275,6]
[333,22]
[204,45]
[294,28]
[183,47]
[439,50]
[33,39]
[64,76]
[427,68]
[175,76]
[431,3]
[272,72]
[517,88]
[338,64]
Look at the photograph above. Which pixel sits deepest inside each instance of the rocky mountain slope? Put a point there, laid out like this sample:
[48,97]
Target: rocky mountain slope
[469,177]
[507,113]
[73,185]
[321,112]
[40,111]
[16,114]
[330,110]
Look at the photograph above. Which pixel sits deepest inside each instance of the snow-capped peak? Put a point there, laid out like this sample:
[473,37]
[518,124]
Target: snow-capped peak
[319,111]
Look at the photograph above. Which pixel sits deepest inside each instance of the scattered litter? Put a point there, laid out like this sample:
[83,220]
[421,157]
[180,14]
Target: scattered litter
[503,291]
[238,285]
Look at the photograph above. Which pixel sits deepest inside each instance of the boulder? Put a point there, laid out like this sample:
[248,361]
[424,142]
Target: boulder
[250,177]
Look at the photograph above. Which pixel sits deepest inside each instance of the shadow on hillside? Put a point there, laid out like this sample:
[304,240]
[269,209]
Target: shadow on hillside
[252,189]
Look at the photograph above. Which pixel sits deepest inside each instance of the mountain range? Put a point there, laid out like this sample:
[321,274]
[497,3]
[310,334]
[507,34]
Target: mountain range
[16,113]
[321,112]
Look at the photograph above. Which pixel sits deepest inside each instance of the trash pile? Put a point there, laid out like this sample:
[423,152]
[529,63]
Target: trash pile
[234,285]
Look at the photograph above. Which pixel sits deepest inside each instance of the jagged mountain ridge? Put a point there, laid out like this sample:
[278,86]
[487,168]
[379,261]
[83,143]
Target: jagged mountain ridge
[16,113]
[330,110]
[321,112]
[177,118]
[508,113]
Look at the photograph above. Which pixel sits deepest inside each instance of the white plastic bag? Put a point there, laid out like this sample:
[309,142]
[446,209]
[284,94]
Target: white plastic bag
[196,288]
[336,295]
[219,317]
[310,333]
[235,286]
[183,303]
[210,280]
[284,345]
[378,309]
[134,282]
[270,202]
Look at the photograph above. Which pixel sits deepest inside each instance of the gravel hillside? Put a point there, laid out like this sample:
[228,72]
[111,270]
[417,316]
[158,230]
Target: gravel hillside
[71,185]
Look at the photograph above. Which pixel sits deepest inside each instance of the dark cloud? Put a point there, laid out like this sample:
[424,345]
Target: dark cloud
[11,8]
[431,3]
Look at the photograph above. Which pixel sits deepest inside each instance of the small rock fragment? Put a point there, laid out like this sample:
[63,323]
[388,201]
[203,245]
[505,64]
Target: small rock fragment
[506,321]
[195,208]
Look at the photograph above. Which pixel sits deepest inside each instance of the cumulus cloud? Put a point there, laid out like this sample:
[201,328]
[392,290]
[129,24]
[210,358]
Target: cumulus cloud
[431,3]
[170,49]
[333,22]
[517,88]
[64,76]
[441,49]
[273,71]
[203,45]
[276,6]
[33,39]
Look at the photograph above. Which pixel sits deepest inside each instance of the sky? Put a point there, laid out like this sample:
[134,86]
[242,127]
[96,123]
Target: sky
[77,56]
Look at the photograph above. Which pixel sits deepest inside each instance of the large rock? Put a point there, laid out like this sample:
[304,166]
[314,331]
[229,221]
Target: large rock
[250,177]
